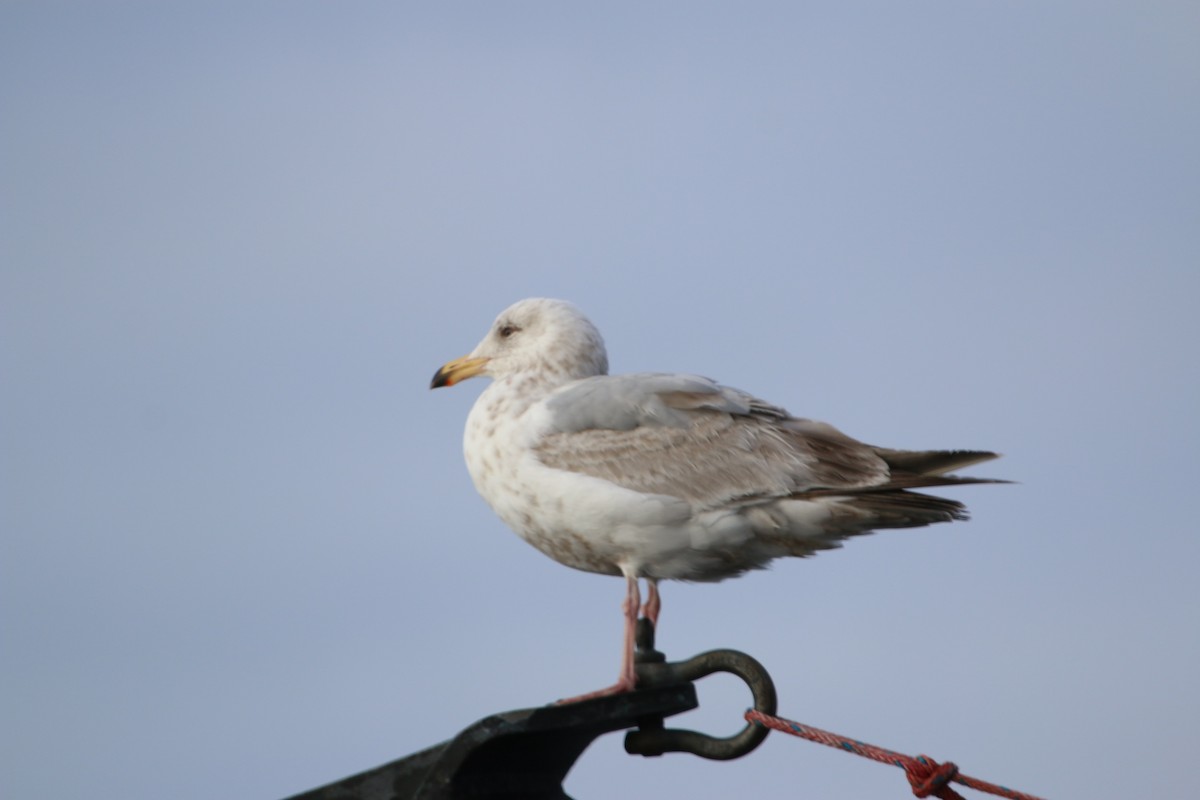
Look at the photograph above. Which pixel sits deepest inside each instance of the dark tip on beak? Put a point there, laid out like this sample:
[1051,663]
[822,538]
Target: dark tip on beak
[457,370]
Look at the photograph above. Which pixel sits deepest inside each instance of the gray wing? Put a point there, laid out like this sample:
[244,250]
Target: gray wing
[689,437]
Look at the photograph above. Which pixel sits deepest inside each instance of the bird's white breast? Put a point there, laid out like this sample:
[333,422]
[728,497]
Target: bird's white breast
[583,522]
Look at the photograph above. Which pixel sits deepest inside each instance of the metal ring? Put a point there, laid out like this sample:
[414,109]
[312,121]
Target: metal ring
[652,740]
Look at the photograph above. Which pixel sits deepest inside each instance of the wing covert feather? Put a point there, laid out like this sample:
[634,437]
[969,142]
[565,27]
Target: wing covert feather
[691,438]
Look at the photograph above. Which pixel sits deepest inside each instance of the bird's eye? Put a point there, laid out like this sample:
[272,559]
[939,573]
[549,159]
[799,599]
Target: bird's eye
[507,330]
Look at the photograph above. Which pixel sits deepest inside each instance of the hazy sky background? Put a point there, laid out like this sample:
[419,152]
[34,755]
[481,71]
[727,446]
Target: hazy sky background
[241,555]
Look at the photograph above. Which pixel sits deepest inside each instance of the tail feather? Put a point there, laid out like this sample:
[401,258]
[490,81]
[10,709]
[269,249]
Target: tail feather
[854,514]
[931,462]
[892,504]
[897,484]
[902,509]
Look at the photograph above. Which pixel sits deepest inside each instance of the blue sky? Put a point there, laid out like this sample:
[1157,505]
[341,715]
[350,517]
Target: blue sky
[240,555]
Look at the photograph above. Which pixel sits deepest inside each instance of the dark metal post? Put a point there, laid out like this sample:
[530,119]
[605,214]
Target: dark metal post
[527,753]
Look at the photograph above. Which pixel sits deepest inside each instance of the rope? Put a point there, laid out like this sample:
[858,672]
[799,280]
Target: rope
[927,777]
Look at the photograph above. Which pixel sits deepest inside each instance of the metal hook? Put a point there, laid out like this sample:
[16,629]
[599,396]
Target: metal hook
[651,739]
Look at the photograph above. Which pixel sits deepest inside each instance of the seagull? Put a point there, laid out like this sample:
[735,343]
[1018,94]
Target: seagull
[668,476]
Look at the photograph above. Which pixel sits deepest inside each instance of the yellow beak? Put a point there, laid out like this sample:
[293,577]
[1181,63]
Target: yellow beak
[457,370]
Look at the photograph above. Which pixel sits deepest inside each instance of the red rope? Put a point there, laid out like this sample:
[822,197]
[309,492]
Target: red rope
[927,777]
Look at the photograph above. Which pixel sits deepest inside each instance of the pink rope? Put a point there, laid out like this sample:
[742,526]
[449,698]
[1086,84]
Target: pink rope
[927,777]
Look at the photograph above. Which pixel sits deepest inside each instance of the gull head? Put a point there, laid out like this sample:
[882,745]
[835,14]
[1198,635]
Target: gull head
[539,337]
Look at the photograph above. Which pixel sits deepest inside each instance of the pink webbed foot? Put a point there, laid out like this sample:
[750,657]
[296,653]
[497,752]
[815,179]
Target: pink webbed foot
[620,687]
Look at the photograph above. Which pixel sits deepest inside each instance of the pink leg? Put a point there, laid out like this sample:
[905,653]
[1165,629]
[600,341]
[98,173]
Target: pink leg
[628,677]
[653,603]
[633,599]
